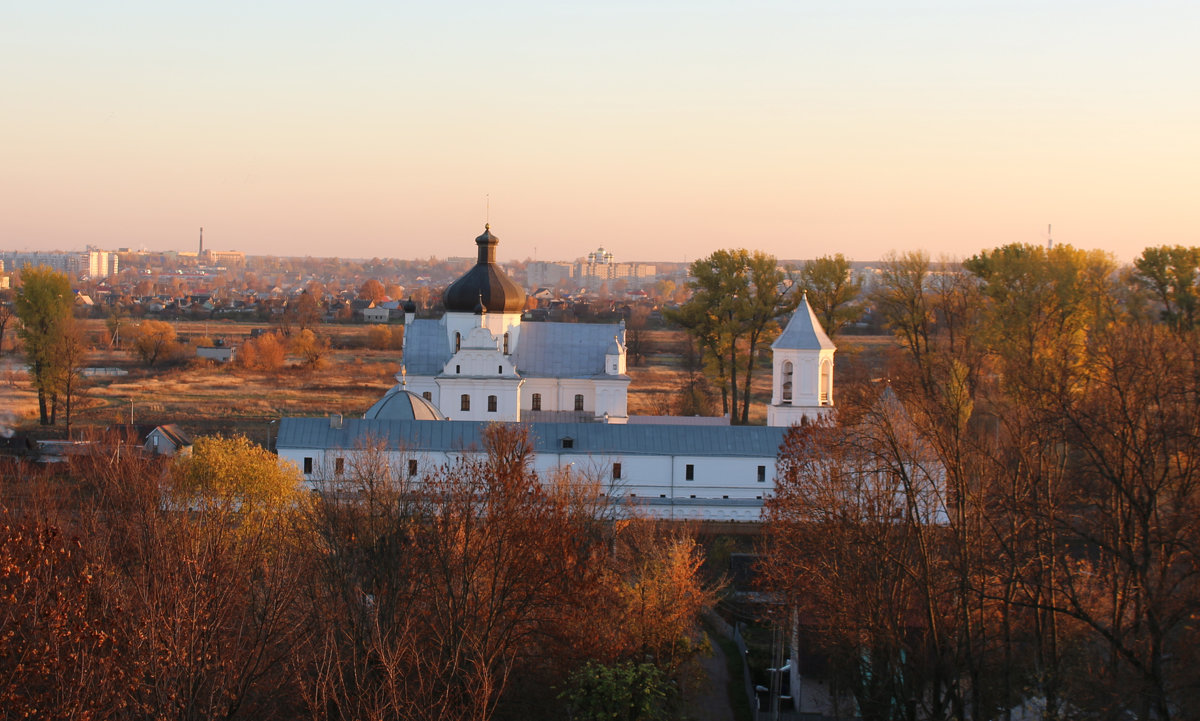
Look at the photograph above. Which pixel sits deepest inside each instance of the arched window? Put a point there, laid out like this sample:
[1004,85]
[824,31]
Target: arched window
[491,404]
[787,381]
[578,401]
[457,341]
[506,344]
[535,403]
[465,402]
[826,397]
[427,396]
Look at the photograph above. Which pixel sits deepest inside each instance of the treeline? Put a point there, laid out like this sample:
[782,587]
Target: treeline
[1004,524]
[212,587]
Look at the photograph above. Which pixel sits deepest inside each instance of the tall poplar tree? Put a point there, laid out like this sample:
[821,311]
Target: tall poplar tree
[44,307]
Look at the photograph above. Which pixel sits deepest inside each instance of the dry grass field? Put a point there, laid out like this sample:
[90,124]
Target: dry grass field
[208,398]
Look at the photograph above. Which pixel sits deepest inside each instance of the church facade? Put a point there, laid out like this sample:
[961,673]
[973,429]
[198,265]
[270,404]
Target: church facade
[479,362]
[567,383]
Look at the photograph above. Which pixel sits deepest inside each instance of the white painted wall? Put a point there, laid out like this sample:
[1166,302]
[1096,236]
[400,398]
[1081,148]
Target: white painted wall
[721,489]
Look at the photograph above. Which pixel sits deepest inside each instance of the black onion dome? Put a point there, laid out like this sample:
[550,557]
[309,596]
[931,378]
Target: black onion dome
[485,284]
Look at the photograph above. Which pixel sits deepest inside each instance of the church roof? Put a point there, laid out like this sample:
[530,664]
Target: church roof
[402,405]
[563,350]
[803,331]
[485,284]
[588,438]
[426,347]
[544,350]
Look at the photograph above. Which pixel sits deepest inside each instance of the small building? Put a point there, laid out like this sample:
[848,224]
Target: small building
[162,440]
[218,353]
[376,314]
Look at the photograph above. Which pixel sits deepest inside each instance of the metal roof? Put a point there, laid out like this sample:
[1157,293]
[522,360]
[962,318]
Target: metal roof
[399,404]
[587,438]
[426,347]
[803,331]
[544,350]
[563,350]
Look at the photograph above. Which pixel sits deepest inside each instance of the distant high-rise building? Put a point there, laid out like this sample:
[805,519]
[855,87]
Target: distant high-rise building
[599,268]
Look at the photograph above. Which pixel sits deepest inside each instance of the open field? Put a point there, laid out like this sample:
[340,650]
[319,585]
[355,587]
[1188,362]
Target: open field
[207,398]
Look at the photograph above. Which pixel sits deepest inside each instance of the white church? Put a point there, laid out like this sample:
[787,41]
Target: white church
[479,363]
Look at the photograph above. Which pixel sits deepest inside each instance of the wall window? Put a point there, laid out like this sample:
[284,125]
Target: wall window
[412,466]
[499,370]
[787,381]
[826,397]
[578,401]
[339,466]
[427,396]
[506,344]
[491,404]
[535,403]
[762,474]
[458,369]
[464,403]
[457,341]
[568,442]
[689,472]
[616,471]
[307,466]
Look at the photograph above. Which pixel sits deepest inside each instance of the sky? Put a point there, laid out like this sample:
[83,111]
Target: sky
[658,130]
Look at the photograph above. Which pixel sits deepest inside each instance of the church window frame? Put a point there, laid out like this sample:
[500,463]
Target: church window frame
[457,341]
[492,402]
[689,472]
[535,402]
[578,401]
[412,467]
[786,378]
[506,344]
[826,380]
[464,402]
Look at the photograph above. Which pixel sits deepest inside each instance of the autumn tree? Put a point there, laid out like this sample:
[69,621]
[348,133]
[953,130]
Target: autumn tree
[303,312]
[266,353]
[636,336]
[232,472]
[372,290]
[385,337]
[1169,275]
[44,306]
[67,376]
[736,301]
[7,313]
[154,341]
[312,348]
[832,291]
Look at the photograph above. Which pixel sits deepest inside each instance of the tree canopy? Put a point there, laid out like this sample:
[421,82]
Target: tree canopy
[43,304]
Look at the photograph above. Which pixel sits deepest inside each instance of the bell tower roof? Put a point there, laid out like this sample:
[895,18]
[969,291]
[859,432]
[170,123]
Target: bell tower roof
[804,331]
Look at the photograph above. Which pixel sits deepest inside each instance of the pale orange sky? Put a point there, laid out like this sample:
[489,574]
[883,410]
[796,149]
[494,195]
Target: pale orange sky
[662,131]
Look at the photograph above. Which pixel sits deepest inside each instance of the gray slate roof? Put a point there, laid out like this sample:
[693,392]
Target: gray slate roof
[544,350]
[803,331]
[426,348]
[400,404]
[563,350]
[589,438]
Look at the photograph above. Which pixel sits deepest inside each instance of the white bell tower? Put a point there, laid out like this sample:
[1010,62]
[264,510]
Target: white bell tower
[802,370]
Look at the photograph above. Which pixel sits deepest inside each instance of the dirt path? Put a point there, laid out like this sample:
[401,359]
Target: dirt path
[710,701]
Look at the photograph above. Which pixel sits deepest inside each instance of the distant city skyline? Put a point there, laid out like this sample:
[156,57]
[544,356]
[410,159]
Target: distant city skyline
[661,131]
